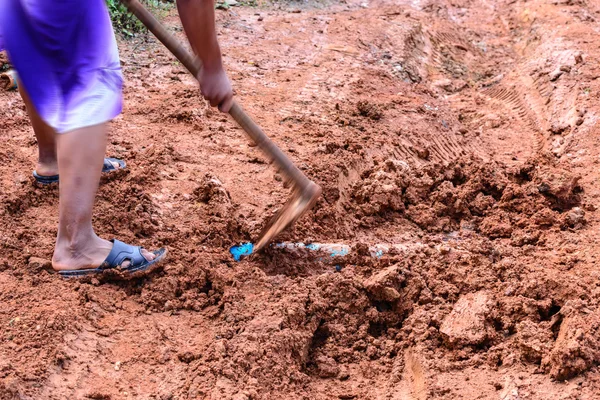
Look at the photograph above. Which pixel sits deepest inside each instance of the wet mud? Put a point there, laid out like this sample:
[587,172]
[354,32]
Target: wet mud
[459,136]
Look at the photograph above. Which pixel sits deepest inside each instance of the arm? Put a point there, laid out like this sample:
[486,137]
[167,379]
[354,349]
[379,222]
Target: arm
[198,19]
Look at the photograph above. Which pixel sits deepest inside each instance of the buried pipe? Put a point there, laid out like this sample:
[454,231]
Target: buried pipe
[9,79]
[330,249]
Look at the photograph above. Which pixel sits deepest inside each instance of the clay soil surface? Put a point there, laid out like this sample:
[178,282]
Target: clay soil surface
[461,135]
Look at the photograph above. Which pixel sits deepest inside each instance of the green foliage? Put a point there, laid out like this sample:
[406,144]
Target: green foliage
[123,21]
[226,4]
[126,23]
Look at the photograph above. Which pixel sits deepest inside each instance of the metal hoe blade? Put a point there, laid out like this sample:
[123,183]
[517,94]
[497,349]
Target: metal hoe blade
[301,201]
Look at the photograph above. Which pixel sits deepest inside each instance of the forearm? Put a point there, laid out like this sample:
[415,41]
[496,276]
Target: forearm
[198,19]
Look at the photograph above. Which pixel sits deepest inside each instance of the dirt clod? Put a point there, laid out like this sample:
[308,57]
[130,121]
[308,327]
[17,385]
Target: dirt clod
[554,75]
[576,348]
[467,324]
[38,265]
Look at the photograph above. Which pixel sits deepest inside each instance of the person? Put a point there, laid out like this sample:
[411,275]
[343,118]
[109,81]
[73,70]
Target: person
[65,54]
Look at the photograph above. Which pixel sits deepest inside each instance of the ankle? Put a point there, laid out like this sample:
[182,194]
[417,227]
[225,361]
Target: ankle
[80,251]
[48,162]
[47,167]
[47,156]
[76,242]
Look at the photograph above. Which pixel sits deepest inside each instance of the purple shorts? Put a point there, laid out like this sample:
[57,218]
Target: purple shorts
[66,55]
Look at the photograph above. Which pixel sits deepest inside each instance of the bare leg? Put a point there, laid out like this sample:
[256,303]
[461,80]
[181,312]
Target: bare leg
[80,157]
[46,138]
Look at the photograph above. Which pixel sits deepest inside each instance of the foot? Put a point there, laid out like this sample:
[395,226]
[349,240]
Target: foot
[88,255]
[50,168]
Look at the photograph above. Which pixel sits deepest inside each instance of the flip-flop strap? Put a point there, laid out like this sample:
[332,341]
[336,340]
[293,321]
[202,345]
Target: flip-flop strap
[122,252]
[109,166]
[45,179]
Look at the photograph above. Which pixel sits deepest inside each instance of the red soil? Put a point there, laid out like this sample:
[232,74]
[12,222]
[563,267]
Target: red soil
[463,130]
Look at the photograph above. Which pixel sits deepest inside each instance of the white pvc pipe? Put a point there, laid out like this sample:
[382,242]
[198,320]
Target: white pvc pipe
[332,249]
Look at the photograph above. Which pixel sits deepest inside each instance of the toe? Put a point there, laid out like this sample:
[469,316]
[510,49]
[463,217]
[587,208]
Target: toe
[148,255]
[115,164]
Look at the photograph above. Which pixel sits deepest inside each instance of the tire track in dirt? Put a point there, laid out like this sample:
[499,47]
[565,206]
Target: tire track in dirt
[442,147]
[518,102]
[443,54]
[434,54]
[527,90]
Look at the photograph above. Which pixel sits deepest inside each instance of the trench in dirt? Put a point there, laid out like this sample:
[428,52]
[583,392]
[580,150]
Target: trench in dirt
[463,130]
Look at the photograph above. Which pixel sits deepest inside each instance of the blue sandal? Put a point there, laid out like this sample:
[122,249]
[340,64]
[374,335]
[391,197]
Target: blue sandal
[107,167]
[120,253]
